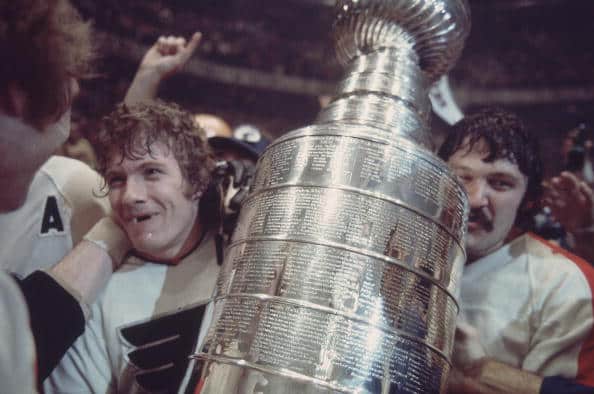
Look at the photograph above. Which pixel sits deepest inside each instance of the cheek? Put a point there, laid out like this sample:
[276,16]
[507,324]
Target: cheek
[509,207]
[113,198]
[114,202]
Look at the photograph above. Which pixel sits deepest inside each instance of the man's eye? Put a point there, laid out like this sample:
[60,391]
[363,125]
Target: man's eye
[152,172]
[464,178]
[499,184]
[115,181]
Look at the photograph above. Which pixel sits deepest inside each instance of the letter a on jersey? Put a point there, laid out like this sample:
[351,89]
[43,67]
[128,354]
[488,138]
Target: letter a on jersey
[51,217]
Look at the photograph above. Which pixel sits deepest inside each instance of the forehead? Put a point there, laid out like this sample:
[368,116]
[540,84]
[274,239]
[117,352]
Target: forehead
[138,154]
[473,160]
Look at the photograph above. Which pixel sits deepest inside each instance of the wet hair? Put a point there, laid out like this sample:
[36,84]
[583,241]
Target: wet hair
[506,138]
[131,131]
[45,43]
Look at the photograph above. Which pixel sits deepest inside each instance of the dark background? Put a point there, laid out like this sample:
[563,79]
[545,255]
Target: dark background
[265,62]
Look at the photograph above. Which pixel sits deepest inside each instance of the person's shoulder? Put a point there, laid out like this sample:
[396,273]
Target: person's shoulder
[538,247]
[66,173]
[76,181]
[551,259]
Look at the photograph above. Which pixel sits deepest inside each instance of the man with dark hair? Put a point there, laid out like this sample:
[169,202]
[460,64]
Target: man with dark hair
[46,206]
[157,167]
[526,321]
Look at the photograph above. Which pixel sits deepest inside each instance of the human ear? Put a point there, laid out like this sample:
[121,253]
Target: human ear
[14,101]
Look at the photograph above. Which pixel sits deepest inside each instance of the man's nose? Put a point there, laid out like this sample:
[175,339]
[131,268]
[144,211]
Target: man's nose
[478,193]
[134,192]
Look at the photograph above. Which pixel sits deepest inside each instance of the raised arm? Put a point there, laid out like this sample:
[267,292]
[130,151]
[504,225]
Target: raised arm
[166,57]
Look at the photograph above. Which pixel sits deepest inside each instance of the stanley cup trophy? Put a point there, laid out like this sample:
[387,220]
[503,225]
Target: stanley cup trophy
[342,271]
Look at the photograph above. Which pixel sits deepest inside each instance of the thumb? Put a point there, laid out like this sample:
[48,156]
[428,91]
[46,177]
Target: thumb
[193,44]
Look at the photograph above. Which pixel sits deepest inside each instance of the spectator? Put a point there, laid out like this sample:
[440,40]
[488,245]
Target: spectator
[166,57]
[571,201]
[214,126]
[526,305]
[569,195]
[577,151]
[157,167]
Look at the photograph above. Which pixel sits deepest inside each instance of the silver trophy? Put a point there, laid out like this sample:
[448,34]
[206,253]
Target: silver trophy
[342,271]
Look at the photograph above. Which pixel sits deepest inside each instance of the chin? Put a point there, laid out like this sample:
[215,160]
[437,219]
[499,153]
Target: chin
[475,249]
[151,251]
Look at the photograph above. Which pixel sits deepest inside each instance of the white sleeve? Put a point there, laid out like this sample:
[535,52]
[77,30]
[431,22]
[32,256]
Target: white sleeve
[86,367]
[17,353]
[563,323]
[81,188]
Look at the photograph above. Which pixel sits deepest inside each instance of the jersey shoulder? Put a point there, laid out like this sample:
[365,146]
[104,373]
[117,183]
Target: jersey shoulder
[549,258]
[81,189]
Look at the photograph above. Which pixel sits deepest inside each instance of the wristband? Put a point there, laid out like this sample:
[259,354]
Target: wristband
[107,235]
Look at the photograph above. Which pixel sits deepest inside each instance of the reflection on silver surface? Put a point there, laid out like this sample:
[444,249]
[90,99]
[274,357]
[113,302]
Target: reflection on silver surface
[343,268]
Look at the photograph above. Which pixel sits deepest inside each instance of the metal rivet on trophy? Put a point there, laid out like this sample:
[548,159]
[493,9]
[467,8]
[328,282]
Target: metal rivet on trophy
[342,271]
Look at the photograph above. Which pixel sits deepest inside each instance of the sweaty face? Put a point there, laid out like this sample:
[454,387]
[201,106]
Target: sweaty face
[150,200]
[495,190]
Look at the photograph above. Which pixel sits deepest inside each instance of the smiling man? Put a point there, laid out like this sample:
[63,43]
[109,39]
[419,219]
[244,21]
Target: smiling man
[526,306]
[157,167]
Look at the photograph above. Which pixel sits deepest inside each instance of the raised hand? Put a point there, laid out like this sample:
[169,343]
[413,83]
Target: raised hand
[166,57]
[169,54]
[570,200]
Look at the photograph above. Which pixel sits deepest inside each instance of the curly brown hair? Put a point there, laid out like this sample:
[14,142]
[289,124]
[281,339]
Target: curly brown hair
[45,43]
[130,131]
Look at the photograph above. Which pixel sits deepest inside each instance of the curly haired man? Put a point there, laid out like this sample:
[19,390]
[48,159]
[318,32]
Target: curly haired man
[157,167]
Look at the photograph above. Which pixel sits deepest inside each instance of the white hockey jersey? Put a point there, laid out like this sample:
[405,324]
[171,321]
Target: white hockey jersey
[61,206]
[531,303]
[142,329]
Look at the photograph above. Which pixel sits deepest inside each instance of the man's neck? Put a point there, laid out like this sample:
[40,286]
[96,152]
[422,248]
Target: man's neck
[514,233]
[192,241]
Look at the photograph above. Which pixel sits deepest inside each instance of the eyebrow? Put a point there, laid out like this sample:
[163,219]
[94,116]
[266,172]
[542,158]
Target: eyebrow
[499,173]
[143,163]
[150,163]
[460,167]
[503,174]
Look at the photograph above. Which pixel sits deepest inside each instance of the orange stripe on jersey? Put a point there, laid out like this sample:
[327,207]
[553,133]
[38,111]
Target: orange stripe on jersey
[585,373]
[199,387]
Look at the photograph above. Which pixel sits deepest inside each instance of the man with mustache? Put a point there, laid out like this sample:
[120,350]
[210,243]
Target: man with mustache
[526,321]
[157,167]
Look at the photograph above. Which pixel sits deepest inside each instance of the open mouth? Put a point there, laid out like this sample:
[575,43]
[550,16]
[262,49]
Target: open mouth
[142,218]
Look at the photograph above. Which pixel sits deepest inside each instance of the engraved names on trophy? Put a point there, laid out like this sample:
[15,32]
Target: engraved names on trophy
[375,290]
[394,172]
[375,225]
[324,346]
